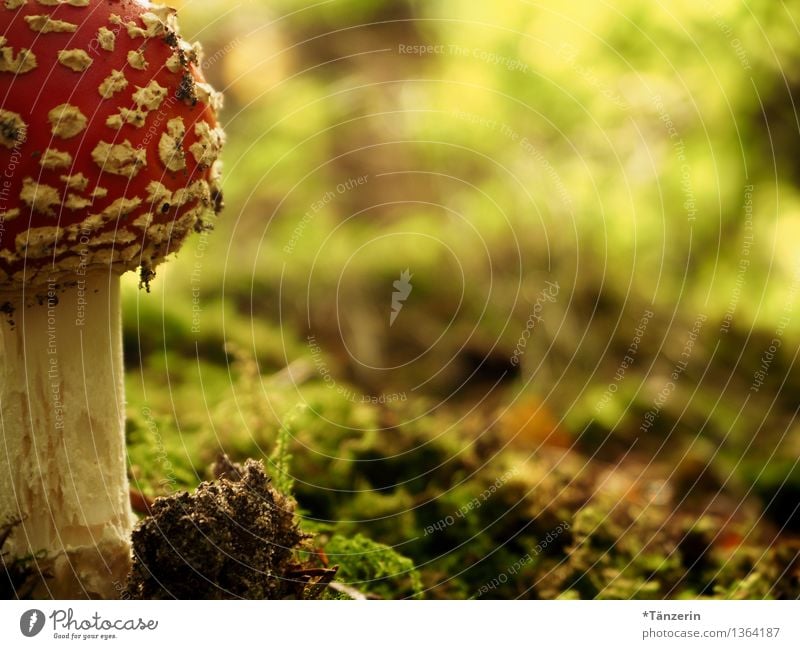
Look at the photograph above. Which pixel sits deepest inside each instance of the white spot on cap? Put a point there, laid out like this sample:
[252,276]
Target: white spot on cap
[45,24]
[170,146]
[131,252]
[77,60]
[75,202]
[198,190]
[208,95]
[36,243]
[115,121]
[143,222]
[120,208]
[153,24]
[106,38]
[114,82]
[135,116]
[23,62]
[134,31]
[209,143]
[136,60]
[158,193]
[112,239]
[174,63]
[150,96]
[67,121]
[78,181]
[119,159]
[54,159]
[13,129]
[41,198]
[166,14]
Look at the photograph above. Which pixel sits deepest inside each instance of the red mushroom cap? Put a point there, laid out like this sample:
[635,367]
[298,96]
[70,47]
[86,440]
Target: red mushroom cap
[108,139]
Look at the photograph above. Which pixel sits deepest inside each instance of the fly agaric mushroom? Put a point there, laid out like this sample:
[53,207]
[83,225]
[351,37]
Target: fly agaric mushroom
[108,148]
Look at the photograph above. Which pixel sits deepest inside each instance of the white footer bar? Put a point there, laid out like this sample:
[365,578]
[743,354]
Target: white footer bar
[375,625]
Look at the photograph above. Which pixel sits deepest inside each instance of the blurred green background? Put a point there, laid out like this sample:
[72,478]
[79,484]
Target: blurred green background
[642,157]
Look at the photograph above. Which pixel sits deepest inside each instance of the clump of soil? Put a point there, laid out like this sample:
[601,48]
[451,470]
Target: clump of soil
[231,538]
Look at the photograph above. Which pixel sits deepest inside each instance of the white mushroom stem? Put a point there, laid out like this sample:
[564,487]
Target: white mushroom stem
[62,452]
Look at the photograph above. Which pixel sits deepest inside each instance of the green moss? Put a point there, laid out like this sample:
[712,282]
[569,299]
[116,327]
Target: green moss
[373,567]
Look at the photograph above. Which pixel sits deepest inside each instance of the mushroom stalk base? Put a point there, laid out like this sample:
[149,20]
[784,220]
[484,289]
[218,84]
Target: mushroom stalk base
[62,438]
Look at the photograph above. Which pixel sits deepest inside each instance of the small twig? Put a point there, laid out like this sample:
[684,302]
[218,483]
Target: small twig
[315,589]
[295,373]
[311,572]
[351,592]
[323,558]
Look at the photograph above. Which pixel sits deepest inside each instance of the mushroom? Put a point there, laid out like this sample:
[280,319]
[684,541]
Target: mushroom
[108,161]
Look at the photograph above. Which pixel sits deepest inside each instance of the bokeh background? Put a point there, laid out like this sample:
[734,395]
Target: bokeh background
[590,387]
